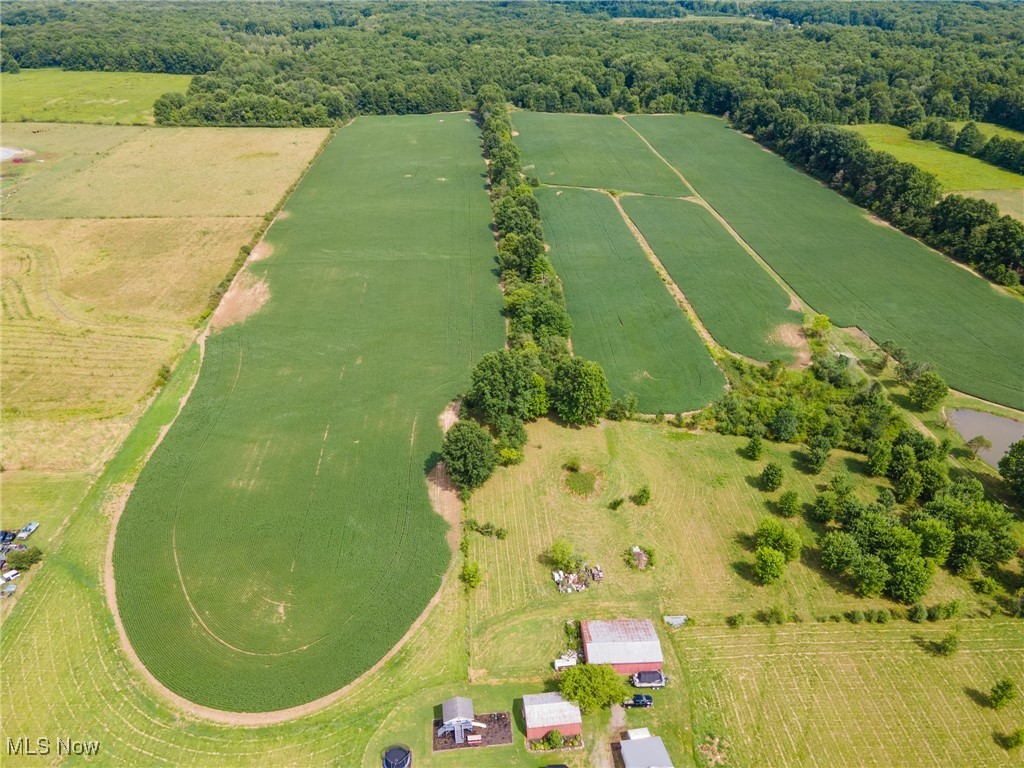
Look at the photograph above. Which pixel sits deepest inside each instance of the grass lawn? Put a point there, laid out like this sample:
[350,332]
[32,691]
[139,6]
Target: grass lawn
[954,171]
[736,298]
[591,151]
[834,256]
[53,95]
[623,315]
[300,456]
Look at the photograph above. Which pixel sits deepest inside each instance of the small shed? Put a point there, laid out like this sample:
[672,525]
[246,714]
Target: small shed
[645,752]
[628,645]
[457,718]
[546,712]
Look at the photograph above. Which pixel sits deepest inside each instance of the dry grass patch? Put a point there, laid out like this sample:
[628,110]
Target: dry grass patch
[165,172]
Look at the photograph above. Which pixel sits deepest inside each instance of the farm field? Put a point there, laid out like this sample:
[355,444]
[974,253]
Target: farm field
[122,98]
[623,316]
[954,171]
[299,458]
[832,255]
[94,305]
[1009,201]
[737,300]
[591,151]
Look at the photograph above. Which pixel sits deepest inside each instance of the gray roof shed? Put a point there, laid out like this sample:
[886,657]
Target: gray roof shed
[541,710]
[622,641]
[648,752]
[457,708]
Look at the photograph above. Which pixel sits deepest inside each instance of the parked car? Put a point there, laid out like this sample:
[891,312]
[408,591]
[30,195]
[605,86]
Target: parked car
[640,700]
[28,530]
[6,537]
[649,680]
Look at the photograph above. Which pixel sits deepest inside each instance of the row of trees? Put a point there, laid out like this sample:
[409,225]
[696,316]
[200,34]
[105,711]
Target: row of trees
[1002,151]
[966,229]
[536,373]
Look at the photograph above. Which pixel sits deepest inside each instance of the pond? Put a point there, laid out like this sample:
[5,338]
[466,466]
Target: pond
[999,429]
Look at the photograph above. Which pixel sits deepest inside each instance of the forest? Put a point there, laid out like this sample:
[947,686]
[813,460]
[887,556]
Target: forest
[785,71]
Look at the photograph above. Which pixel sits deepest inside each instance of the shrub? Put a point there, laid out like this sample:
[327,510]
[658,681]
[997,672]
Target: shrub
[25,559]
[736,620]
[471,575]
[986,585]
[772,533]
[1002,693]
[562,557]
[856,617]
[771,477]
[508,457]
[789,504]
[754,448]
[769,565]
[616,503]
[1014,740]
[555,739]
[948,645]
[642,496]
[774,615]
[572,464]
[882,616]
[917,613]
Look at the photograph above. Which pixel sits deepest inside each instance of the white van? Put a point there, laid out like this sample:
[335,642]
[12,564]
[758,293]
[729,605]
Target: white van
[11,575]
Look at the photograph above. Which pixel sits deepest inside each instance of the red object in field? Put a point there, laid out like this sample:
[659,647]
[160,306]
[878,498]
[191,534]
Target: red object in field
[17,159]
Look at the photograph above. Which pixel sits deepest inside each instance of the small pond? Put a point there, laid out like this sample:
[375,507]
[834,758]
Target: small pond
[1000,430]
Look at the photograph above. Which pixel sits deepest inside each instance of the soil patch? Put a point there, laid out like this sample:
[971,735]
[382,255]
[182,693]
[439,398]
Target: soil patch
[793,336]
[497,732]
[262,251]
[245,297]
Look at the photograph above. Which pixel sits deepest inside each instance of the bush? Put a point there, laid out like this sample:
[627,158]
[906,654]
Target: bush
[754,448]
[1014,740]
[986,585]
[555,740]
[774,615]
[856,617]
[508,457]
[789,504]
[736,620]
[917,613]
[948,645]
[882,616]
[1002,693]
[772,533]
[572,464]
[616,503]
[769,565]
[25,559]
[471,575]
[642,496]
[771,477]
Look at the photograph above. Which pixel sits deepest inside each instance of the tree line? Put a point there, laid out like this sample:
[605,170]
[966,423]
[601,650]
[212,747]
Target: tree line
[967,229]
[536,373]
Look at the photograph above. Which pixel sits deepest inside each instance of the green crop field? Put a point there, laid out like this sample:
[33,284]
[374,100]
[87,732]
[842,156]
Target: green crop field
[954,171]
[53,95]
[280,541]
[736,298]
[856,271]
[623,315]
[591,151]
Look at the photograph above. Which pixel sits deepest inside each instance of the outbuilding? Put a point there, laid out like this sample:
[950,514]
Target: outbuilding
[546,712]
[644,752]
[628,645]
[457,718]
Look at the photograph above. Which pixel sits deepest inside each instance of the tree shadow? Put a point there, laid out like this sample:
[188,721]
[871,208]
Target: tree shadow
[431,462]
[746,541]
[745,570]
[754,481]
[811,557]
[978,697]
[856,465]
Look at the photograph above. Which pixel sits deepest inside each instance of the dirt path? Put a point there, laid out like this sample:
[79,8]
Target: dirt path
[698,199]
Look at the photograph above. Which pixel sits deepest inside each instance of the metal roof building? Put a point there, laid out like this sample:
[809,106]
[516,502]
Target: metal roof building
[457,718]
[647,752]
[546,712]
[628,645]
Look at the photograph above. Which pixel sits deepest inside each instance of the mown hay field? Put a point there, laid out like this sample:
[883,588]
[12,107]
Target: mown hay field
[121,98]
[736,298]
[843,264]
[280,541]
[955,172]
[623,315]
[591,151]
[95,304]
[97,171]
[883,697]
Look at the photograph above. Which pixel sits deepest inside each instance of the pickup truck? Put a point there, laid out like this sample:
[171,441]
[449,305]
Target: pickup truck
[640,700]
